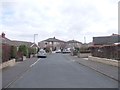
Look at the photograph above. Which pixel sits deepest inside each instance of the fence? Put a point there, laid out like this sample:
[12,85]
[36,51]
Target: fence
[106,51]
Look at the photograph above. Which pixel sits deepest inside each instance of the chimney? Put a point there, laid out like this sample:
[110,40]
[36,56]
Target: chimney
[3,35]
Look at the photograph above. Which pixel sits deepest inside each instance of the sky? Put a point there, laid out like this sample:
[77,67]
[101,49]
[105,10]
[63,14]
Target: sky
[63,19]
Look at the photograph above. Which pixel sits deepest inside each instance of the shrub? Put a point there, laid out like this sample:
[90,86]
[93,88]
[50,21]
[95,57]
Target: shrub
[31,51]
[84,50]
[75,52]
[77,49]
[47,49]
[13,51]
[23,49]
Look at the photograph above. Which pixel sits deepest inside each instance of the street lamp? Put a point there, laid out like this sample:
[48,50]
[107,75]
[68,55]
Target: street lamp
[34,37]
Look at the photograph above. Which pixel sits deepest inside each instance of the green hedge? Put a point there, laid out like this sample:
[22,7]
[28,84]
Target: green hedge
[23,49]
[13,51]
[31,51]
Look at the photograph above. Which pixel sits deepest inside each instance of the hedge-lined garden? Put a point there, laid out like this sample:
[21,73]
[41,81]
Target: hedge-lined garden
[9,52]
[109,51]
[77,50]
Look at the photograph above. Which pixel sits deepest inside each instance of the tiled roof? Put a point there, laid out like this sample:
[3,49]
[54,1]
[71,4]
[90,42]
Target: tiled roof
[6,40]
[106,39]
[53,40]
[73,41]
[18,43]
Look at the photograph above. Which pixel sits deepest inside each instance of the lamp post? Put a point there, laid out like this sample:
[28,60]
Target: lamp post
[84,40]
[34,37]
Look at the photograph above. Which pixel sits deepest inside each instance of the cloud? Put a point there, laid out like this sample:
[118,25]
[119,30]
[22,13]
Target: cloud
[65,19]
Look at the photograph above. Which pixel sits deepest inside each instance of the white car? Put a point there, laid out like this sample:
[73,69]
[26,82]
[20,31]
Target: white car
[66,51]
[42,54]
[58,51]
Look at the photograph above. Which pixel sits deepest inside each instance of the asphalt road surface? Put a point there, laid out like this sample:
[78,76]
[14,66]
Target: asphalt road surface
[57,71]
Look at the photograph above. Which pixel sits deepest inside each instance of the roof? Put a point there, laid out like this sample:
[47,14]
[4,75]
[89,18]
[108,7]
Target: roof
[6,40]
[18,43]
[53,40]
[106,39]
[34,45]
[73,41]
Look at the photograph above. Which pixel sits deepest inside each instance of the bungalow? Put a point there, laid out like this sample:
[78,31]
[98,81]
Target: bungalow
[106,40]
[17,43]
[6,43]
[28,44]
[106,46]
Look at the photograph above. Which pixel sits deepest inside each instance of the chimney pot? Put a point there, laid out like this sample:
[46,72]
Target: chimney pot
[3,35]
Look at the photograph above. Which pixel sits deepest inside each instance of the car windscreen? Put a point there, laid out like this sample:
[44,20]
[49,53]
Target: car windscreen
[41,51]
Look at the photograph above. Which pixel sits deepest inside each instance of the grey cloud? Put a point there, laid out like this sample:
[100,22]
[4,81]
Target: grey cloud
[72,20]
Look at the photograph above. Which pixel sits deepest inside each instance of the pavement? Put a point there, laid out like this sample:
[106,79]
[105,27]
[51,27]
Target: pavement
[10,74]
[108,70]
[58,71]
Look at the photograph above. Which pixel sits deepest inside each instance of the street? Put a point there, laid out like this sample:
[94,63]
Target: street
[57,71]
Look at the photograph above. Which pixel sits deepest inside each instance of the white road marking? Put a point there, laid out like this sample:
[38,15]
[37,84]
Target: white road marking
[34,63]
[85,58]
[72,60]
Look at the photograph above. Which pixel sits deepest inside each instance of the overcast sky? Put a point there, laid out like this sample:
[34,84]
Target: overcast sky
[64,19]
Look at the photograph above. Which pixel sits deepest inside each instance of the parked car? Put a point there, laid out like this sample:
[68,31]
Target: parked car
[42,54]
[58,51]
[66,51]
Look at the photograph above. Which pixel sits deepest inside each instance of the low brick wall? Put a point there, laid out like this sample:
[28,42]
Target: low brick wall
[24,58]
[83,55]
[7,63]
[104,60]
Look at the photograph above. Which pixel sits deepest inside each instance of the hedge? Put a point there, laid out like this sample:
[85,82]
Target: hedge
[23,50]
[13,51]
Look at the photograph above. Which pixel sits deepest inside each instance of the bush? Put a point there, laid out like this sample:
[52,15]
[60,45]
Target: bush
[77,50]
[13,51]
[31,51]
[84,50]
[47,49]
[23,50]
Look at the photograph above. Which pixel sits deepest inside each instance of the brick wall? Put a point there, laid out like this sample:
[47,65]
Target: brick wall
[6,50]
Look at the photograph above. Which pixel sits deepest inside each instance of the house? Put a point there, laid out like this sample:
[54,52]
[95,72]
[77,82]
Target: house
[53,43]
[73,43]
[106,40]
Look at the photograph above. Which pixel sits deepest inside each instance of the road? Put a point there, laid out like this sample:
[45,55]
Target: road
[57,71]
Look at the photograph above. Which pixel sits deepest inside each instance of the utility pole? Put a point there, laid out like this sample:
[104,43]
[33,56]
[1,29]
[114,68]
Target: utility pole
[34,37]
